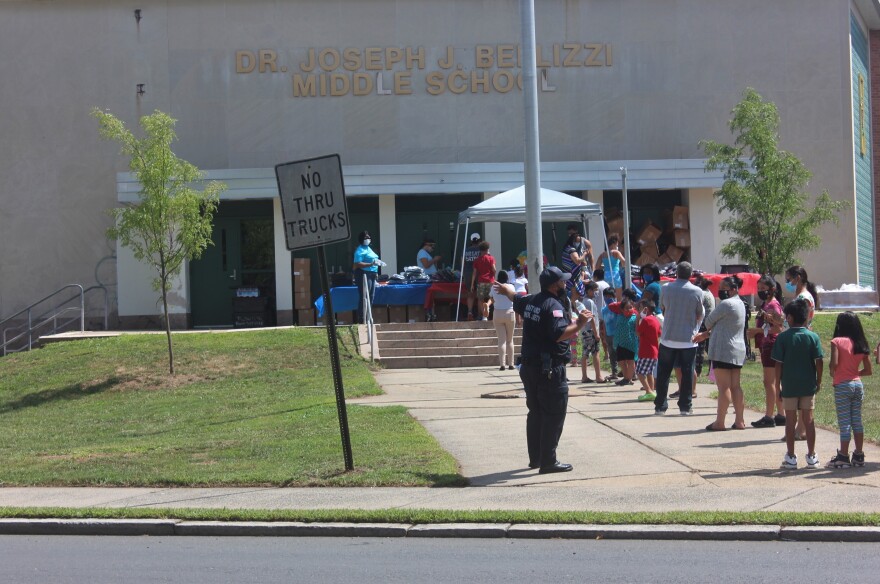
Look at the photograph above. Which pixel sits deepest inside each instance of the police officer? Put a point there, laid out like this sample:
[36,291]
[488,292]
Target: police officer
[547,328]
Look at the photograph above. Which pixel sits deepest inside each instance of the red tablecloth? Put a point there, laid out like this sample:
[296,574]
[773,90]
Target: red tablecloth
[749,287]
[444,292]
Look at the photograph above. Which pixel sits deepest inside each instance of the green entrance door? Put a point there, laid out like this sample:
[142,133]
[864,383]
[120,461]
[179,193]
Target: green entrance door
[215,276]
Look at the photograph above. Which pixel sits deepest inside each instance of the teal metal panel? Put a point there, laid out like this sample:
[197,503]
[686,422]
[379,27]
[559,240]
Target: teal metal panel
[862,154]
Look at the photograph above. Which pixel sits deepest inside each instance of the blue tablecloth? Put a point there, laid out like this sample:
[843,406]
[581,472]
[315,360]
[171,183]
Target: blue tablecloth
[346,297]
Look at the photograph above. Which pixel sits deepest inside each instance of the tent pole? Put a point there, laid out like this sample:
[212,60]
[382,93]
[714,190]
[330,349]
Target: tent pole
[463,253]
[627,275]
[607,249]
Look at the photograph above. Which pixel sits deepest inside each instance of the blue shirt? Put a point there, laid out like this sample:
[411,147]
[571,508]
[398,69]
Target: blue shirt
[654,289]
[424,255]
[610,320]
[363,254]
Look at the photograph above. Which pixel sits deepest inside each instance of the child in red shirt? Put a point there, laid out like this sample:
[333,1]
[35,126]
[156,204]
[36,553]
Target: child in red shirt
[648,329]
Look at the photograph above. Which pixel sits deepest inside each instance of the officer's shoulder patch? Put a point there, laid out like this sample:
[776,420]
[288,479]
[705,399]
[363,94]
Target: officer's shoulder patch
[557,314]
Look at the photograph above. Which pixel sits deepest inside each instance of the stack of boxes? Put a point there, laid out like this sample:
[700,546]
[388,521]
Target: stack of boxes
[302,292]
[657,246]
[680,229]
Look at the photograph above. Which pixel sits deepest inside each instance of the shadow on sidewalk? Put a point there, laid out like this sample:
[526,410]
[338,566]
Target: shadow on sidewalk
[500,478]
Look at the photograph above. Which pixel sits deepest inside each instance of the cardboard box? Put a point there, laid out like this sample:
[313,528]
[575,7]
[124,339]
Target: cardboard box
[346,317]
[682,238]
[397,314]
[649,234]
[615,226]
[306,317]
[675,253]
[415,313]
[680,218]
[646,259]
[380,314]
[613,213]
[302,300]
[651,249]
[302,267]
[665,259]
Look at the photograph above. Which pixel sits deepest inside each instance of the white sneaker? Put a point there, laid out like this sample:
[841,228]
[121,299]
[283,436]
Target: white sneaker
[812,461]
[789,462]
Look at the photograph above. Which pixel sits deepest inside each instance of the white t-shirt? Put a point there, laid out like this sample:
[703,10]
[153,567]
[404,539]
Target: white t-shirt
[600,298]
[519,284]
[501,301]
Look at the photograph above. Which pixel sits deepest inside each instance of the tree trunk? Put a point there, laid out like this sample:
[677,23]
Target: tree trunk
[167,326]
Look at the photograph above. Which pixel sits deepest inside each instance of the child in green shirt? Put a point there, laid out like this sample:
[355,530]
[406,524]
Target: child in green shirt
[799,366]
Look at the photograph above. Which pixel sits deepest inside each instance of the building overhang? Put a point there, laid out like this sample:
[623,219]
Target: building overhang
[870,12]
[424,179]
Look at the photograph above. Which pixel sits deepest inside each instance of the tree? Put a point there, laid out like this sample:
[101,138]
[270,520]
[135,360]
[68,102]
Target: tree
[770,220]
[172,221]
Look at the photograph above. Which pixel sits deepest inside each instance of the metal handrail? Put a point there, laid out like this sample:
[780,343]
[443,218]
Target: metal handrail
[368,314]
[50,315]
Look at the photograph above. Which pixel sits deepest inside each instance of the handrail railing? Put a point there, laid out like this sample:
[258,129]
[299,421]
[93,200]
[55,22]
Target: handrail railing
[36,322]
[368,314]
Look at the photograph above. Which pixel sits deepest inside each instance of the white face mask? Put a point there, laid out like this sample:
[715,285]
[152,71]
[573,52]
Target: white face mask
[644,314]
[367,241]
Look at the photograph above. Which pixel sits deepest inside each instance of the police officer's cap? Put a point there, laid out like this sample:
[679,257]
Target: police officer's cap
[552,275]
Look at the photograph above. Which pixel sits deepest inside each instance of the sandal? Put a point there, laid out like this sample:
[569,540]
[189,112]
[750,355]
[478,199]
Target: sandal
[733,427]
[711,428]
[586,380]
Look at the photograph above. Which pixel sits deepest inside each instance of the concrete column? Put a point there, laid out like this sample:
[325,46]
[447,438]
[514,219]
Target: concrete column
[493,236]
[706,236]
[594,224]
[388,233]
[139,305]
[283,271]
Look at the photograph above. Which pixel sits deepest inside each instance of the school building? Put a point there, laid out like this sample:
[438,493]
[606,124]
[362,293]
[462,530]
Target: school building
[422,101]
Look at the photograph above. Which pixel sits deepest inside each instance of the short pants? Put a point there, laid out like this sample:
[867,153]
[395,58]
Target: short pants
[722,365]
[484,290]
[803,402]
[646,366]
[589,341]
[766,350]
[625,354]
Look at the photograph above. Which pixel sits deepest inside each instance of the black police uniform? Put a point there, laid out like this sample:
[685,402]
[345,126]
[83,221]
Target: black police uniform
[542,371]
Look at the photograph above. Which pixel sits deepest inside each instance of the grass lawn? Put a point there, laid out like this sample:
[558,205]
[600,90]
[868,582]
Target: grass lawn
[825,414]
[249,408]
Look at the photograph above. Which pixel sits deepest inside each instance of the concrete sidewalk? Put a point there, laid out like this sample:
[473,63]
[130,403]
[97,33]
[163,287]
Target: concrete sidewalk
[624,457]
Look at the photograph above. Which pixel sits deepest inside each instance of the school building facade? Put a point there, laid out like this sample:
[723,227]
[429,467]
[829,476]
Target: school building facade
[422,101]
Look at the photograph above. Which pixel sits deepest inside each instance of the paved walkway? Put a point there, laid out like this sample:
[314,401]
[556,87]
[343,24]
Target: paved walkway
[624,457]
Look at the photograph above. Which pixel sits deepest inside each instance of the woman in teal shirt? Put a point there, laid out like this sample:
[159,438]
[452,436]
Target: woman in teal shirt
[366,263]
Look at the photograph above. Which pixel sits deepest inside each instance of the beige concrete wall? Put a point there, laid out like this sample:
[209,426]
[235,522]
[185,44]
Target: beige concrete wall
[678,67]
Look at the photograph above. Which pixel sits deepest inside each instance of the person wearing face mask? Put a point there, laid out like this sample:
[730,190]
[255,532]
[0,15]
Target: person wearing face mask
[611,263]
[546,334]
[650,275]
[727,351]
[366,267]
[768,325]
[797,283]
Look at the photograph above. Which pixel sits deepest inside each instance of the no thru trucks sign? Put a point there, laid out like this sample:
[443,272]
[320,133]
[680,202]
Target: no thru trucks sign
[313,202]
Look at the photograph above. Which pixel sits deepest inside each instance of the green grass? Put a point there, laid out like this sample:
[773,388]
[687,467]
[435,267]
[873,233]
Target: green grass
[250,408]
[425,516]
[825,414]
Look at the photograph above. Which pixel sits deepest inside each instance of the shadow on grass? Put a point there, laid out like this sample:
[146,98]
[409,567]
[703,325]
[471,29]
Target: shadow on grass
[71,392]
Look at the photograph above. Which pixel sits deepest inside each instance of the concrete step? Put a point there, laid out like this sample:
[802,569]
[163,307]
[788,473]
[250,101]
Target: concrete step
[432,350]
[418,335]
[439,361]
[435,326]
[450,344]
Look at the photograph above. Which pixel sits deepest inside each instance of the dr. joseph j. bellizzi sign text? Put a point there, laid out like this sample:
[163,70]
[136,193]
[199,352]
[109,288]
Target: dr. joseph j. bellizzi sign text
[331,72]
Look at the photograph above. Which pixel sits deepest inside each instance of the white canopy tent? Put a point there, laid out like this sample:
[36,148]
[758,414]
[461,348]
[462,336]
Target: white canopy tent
[510,207]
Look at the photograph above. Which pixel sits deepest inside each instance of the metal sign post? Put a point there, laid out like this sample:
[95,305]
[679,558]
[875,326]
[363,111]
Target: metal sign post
[315,214]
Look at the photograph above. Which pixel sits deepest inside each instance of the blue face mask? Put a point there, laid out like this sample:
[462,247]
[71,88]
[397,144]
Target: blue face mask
[648,278]
[790,287]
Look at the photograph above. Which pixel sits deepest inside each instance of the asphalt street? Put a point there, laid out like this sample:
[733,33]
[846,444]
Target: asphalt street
[204,560]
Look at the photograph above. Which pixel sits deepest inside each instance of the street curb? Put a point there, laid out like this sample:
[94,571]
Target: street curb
[668,532]
[290,529]
[166,527]
[87,526]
